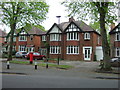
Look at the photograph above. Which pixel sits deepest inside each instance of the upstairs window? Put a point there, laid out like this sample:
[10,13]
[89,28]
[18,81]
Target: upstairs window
[31,37]
[117,36]
[22,38]
[43,38]
[55,37]
[87,36]
[72,36]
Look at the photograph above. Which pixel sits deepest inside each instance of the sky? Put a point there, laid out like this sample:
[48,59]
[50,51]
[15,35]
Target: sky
[55,9]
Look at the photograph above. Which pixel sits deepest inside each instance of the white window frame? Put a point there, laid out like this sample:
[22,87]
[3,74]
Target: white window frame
[98,39]
[55,50]
[22,38]
[72,36]
[72,50]
[22,48]
[43,38]
[117,37]
[31,37]
[14,39]
[118,51]
[87,36]
[14,48]
[55,37]
[5,39]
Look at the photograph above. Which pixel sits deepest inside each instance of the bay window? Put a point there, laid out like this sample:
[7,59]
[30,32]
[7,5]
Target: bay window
[72,49]
[55,37]
[55,49]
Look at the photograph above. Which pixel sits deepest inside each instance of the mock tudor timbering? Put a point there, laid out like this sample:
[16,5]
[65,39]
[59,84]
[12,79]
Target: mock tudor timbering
[115,41]
[74,40]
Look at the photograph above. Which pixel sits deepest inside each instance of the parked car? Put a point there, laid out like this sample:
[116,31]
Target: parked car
[21,54]
[115,62]
[36,55]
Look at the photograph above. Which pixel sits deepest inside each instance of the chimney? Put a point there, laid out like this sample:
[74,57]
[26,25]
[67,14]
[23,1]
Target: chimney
[112,26]
[71,19]
[58,19]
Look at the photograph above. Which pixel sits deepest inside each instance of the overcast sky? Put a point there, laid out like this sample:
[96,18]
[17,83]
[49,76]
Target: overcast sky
[55,9]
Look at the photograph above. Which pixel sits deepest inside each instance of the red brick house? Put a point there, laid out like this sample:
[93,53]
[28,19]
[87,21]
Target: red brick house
[2,39]
[2,35]
[27,40]
[74,40]
[115,41]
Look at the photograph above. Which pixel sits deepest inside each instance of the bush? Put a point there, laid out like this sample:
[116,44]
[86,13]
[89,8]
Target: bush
[4,55]
[13,52]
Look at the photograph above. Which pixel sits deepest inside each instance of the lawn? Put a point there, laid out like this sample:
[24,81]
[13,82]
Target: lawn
[43,64]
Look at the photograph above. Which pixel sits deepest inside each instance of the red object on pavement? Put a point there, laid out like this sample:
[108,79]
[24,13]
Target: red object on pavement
[36,55]
[31,58]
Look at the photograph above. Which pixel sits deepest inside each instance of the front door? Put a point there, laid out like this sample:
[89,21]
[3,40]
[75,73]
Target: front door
[87,53]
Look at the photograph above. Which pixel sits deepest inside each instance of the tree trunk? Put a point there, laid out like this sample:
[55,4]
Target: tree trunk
[105,44]
[12,26]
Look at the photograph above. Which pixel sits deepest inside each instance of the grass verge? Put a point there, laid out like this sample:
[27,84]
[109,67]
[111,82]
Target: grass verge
[43,64]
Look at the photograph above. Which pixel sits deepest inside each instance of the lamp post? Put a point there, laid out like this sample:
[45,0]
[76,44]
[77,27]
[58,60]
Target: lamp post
[58,40]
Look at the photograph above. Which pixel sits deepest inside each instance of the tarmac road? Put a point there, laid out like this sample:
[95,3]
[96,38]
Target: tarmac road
[24,76]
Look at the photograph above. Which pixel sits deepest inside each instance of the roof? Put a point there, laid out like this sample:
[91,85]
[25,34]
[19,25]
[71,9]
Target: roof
[36,31]
[80,24]
[33,31]
[2,33]
[114,29]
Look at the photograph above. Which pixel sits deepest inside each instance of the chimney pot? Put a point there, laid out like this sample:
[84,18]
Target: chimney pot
[71,19]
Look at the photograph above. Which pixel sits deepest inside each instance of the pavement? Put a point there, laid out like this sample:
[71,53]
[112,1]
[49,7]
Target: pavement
[82,75]
[82,68]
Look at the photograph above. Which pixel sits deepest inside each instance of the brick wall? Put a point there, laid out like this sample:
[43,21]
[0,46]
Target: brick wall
[93,42]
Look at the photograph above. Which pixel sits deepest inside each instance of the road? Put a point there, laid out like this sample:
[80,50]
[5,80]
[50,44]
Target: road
[24,76]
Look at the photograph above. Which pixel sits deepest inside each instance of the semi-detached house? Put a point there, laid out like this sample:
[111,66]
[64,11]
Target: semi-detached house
[27,40]
[115,41]
[74,40]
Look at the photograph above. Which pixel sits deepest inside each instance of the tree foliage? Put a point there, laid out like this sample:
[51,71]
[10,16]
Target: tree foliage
[102,12]
[23,12]
[89,10]
[18,14]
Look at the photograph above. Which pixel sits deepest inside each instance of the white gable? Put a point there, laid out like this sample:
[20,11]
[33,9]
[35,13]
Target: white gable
[23,32]
[72,27]
[55,29]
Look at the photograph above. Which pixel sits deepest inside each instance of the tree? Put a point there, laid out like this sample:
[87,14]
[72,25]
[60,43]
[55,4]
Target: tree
[19,14]
[104,12]
[95,25]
